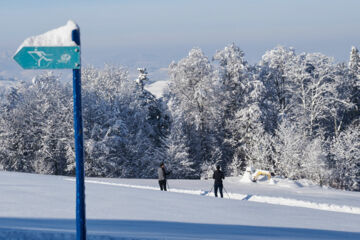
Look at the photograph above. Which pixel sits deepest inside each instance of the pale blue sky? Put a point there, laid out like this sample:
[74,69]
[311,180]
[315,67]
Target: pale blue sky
[134,32]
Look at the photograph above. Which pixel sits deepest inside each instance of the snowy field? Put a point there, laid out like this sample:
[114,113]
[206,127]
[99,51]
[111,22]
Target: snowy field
[43,207]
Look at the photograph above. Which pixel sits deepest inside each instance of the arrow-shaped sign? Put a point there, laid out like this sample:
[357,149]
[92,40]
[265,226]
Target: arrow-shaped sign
[48,57]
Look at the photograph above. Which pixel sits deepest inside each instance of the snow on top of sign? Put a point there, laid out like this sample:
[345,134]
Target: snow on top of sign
[61,36]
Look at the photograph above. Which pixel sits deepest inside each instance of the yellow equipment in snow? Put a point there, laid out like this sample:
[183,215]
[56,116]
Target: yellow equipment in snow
[260,173]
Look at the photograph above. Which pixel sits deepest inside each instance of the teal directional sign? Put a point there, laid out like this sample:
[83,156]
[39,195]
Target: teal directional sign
[48,57]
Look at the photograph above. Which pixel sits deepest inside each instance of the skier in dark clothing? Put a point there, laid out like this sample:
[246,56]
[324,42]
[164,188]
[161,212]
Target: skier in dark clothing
[218,184]
[162,173]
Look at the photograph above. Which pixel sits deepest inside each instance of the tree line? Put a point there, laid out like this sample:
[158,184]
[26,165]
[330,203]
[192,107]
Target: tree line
[296,115]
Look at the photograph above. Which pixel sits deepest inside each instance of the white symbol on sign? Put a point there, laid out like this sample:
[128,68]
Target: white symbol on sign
[39,56]
[65,58]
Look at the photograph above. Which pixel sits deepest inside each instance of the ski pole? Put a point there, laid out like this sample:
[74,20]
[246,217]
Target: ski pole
[167,183]
[226,192]
[211,189]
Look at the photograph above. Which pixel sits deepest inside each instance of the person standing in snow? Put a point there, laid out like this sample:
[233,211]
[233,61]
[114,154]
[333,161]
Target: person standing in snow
[162,177]
[218,184]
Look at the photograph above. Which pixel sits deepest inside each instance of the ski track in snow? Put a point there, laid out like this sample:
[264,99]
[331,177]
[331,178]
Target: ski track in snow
[246,197]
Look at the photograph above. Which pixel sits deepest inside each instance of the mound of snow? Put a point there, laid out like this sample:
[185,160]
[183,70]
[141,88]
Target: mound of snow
[61,36]
[246,178]
[272,182]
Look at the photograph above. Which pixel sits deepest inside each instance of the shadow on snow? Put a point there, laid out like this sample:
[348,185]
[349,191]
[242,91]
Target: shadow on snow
[31,229]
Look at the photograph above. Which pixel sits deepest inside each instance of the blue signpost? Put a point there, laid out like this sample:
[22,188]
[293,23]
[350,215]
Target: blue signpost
[48,57]
[79,150]
[65,57]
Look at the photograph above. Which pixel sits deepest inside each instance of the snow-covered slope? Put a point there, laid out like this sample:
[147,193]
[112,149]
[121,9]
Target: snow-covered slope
[157,88]
[43,207]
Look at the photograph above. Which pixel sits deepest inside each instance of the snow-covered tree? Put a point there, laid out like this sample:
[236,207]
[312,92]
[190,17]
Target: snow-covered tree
[297,156]
[273,73]
[354,62]
[345,151]
[36,125]
[315,164]
[314,93]
[354,84]
[248,136]
[56,153]
[142,78]
[289,144]
[243,99]
[234,76]
[192,95]
[178,153]
[124,125]
[295,115]
[16,133]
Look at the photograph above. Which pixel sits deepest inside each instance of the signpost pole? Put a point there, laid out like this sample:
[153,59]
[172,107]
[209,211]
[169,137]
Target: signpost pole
[64,57]
[79,150]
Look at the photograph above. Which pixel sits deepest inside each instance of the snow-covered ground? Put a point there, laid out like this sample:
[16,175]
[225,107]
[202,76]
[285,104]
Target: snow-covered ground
[43,207]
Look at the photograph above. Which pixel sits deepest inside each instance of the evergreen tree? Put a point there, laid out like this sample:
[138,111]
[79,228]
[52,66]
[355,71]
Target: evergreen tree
[234,76]
[354,75]
[354,62]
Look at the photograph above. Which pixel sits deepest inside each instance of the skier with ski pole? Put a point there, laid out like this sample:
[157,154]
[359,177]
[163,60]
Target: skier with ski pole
[162,173]
[218,184]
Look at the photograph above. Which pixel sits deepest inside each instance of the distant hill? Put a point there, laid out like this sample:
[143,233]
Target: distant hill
[157,88]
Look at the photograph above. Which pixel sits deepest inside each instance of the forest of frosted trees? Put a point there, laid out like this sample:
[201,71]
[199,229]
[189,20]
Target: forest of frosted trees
[296,115]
